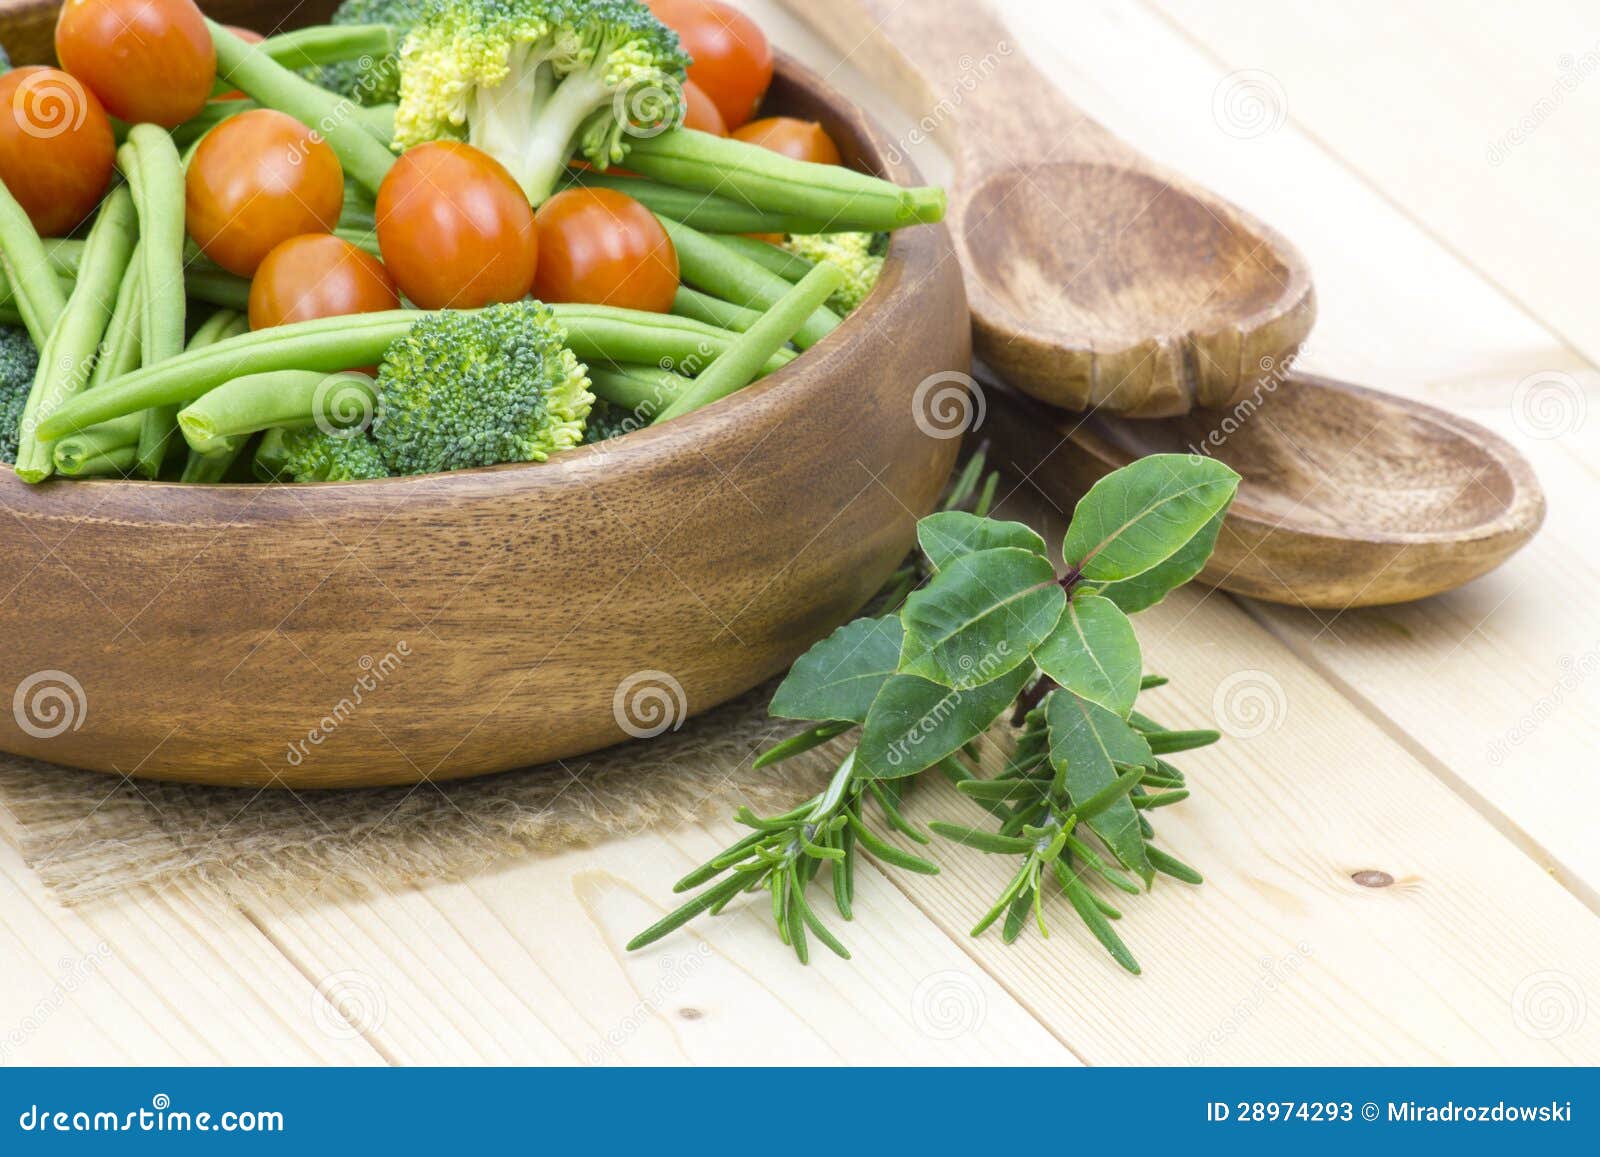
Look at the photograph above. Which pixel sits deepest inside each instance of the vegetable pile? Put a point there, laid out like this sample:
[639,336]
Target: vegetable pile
[405,242]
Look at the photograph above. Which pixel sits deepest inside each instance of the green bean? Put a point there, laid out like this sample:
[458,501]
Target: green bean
[329,44]
[844,199]
[705,211]
[364,157]
[203,280]
[271,457]
[209,463]
[66,360]
[256,402]
[691,303]
[708,265]
[608,334]
[154,171]
[642,390]
[119,349]
[735,369]
[37,290]
[118,460]
[789,266]
[71,453]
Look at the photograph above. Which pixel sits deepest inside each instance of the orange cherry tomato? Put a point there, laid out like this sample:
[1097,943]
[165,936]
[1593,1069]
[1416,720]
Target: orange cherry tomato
[147,60]
[455,228]
[256,180]
[318,275]
[601,247]
[732,59]
[700,111]
[56,147]
[249,36]
[802,140]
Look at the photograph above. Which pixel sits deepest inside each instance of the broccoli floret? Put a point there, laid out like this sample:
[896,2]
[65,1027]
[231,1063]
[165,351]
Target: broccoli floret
[310,455]
[370,80]
[5,59]
[858,255]
[18,362]
[608,420]
[478,388]
[534,82]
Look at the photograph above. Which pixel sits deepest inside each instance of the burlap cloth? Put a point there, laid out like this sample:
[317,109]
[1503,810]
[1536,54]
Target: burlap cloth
[89,835]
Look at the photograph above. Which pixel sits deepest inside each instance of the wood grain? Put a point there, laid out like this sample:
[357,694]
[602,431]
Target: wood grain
[526,965]
[1096,277]
[432,627]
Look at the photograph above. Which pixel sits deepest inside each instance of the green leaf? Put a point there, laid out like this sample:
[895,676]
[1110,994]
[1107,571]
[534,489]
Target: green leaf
[950,534]
[1141,515]
[1087,742]
[838,678]
[980,617]
[1094,653]
[1144,591]
[914,724]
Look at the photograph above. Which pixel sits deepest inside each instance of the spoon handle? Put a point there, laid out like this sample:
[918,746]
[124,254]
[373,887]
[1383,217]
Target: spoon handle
[955,66]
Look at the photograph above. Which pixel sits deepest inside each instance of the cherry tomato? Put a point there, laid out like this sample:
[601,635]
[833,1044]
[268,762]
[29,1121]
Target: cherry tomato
[455,228]
[318,275]
[256,180]
[56,147]
[602,247]
[802,140]
[700,112]
[147,60]
[732,59]
[249,36]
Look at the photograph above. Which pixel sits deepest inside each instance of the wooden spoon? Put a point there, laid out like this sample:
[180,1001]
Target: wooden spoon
[1096,278]
[1350,497]
[1100,282]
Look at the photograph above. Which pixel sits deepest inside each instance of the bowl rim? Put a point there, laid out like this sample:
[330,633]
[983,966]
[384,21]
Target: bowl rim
[906,264]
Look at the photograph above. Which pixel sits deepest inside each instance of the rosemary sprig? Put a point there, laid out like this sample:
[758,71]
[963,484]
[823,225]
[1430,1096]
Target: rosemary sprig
[976,625]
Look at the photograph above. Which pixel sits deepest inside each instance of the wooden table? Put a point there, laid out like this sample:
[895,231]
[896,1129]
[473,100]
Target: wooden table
[1437,162]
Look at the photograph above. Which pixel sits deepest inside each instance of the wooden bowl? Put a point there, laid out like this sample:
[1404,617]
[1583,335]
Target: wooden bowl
[458,624]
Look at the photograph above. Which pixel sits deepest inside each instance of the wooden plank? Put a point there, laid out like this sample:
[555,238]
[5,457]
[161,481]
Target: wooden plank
[525,965]
[1471,956]
[152,978]
[1477,118]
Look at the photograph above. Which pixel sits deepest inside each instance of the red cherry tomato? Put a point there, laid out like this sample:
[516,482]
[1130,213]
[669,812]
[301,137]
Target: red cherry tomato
[455,228]
[732,59]
[249,36]
[700,111]
[256,180]
[56,147]
[802,140]
[318,275]
[147,60]
[601,247]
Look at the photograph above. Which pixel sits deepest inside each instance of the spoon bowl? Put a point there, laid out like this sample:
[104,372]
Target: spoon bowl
[1349,497]
[1059,258]
[1096,277]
